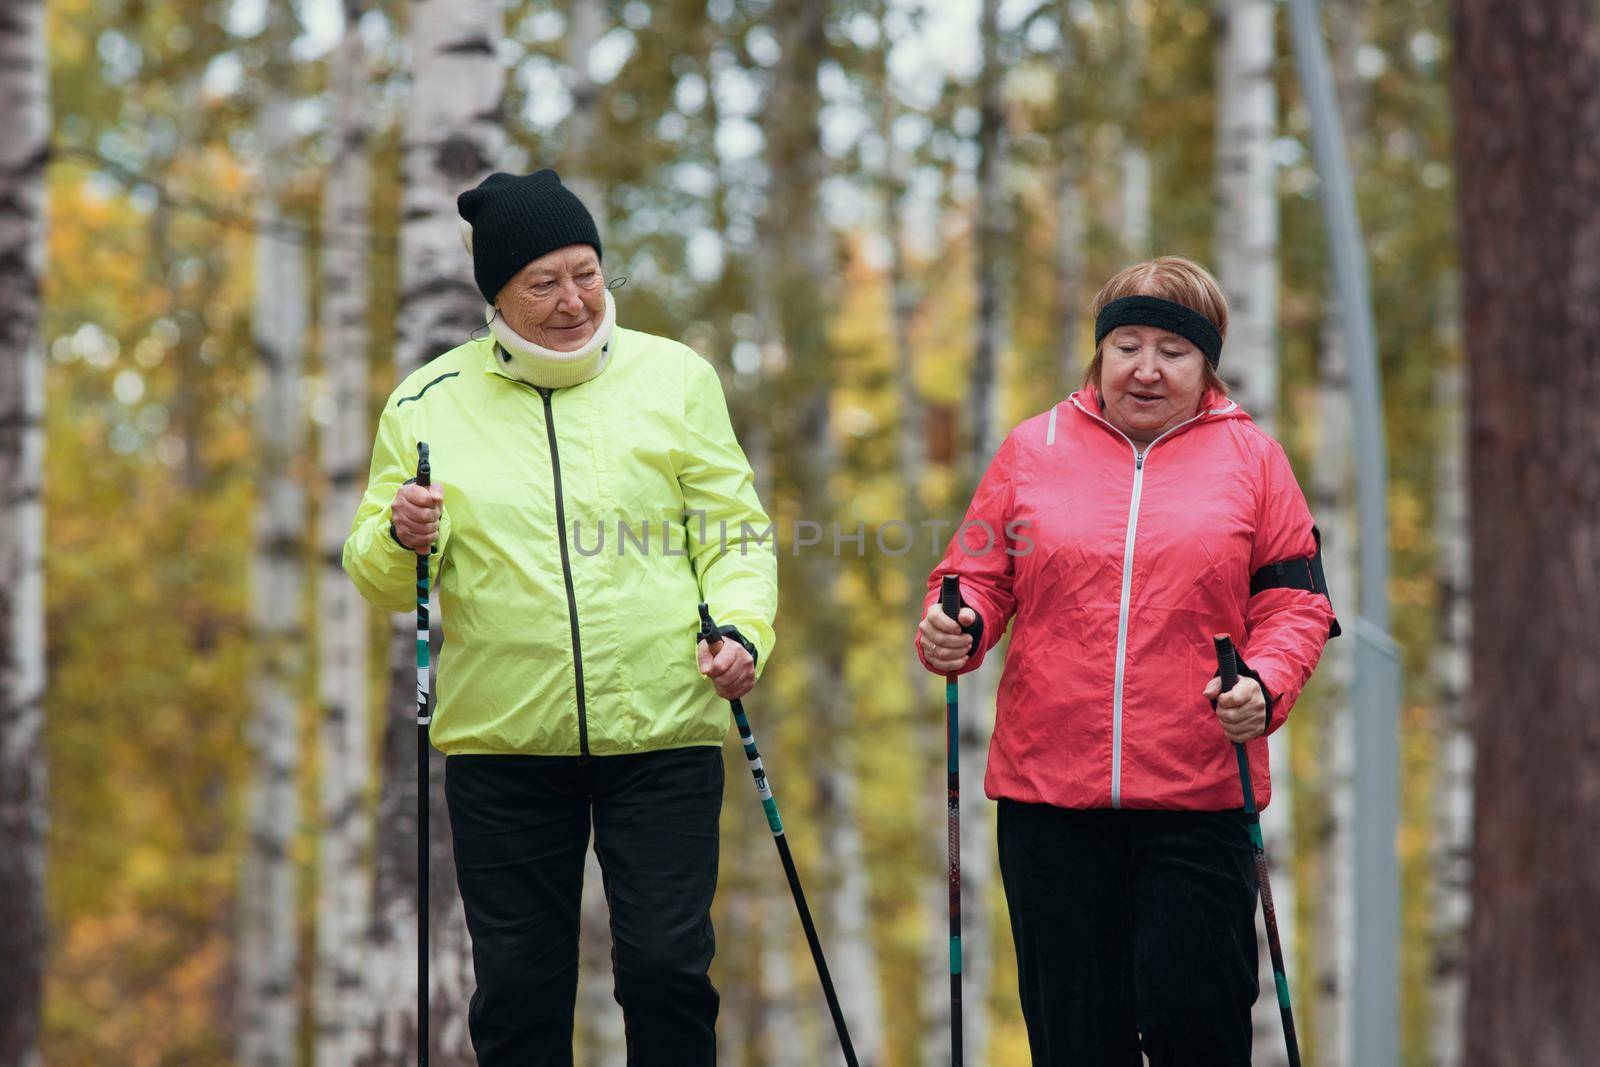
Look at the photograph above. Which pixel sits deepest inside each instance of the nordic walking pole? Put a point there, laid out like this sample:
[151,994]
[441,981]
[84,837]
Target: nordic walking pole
[713,640]
[1228,664]
[424,477]
[950,604]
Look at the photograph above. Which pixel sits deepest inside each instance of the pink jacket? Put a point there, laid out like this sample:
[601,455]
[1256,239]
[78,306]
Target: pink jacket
[1119,570]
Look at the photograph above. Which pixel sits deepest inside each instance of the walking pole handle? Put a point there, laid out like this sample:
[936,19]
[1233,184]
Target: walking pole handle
[708,629]
[424,471]
[1228,668]
[1227,660]
[950,601]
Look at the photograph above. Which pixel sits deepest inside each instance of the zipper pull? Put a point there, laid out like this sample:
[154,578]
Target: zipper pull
[1138,462]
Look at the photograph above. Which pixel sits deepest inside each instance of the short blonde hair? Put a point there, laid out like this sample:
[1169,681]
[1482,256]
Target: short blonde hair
[1182,281]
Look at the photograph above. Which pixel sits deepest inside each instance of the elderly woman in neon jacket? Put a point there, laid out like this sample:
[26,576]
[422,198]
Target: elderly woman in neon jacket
[1121,529]
[589,492]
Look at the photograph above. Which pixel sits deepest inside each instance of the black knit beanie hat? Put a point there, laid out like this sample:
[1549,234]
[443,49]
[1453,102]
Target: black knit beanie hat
[515,220]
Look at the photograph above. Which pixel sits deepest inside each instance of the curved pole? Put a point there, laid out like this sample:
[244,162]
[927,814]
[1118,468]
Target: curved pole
[1376,690]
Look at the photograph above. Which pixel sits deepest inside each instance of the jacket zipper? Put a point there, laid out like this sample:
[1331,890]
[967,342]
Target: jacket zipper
[1127,589]
[566,569]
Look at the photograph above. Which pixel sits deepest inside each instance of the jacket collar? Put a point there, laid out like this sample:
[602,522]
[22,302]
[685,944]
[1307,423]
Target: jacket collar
[1214,406]
[514,356]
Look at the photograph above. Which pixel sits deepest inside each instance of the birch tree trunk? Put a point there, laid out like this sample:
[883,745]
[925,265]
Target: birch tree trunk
[269,980]
[990,339]
[598,1029]
[1332,494]
[1332,501]
[801,260]
[1452,847]
[782,1038]
[1247,250]
[342,892]
[747,875]
[1247,200]
[599,1025]
[452,139]
[25,116]
[1527,148]
[1134,156]
[1071,351]
[585,22]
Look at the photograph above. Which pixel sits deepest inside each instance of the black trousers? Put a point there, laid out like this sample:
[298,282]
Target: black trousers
[521,830]
[1133,929]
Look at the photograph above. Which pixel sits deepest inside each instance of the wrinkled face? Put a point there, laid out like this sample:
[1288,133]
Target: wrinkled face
[558,300]
[1151,380]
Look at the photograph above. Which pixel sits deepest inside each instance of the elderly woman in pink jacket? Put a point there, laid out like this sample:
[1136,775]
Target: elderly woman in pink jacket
[1120,530]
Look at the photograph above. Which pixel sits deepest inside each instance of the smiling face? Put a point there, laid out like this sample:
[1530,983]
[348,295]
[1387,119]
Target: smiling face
[558,300]
[1151,380]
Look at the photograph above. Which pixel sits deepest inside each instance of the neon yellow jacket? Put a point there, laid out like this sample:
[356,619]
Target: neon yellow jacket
[581,527]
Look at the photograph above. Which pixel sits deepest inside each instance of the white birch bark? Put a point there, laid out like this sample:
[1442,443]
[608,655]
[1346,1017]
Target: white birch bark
[783,1041]
[25,116]
[991,337]
[343,690]
[598,1027]
[1332,502]
[849,939]
[741,940]
[269,985]
[1072,351]
[1452,849]
[1247,249]
[599,1024]
[1134,157]
[452,140]
[1247,217]
[1332,498]
[585,23]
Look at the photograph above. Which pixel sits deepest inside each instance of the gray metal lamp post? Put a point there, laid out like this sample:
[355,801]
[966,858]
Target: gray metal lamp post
[1376,690]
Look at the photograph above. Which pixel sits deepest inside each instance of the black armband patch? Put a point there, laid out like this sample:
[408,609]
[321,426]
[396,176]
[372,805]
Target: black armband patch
[1303,573]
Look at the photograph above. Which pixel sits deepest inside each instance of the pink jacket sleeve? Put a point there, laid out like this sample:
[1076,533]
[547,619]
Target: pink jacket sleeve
[1285,629]
[980,556]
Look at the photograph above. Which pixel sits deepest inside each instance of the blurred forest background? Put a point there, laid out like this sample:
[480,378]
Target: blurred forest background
[882,221]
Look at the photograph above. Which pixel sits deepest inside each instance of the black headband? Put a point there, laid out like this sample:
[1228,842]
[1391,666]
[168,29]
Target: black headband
[1163,314]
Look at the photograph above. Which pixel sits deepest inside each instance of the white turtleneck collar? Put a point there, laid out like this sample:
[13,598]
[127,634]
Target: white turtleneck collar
[528,361]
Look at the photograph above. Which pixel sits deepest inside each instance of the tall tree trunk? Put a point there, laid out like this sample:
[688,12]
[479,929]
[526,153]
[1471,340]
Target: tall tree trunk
[989,225]
[599,1023]
[1452,845]
[801,258]
[743,942]
[25,116]
[1247,250]
[585,20]
[1332,498]
[1247,199]
[1134,157]
[782,1038]
[598,1029]
[990,340]
[1526,89]
[1071,351]
[343,690]
[452,139]
[269,958]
